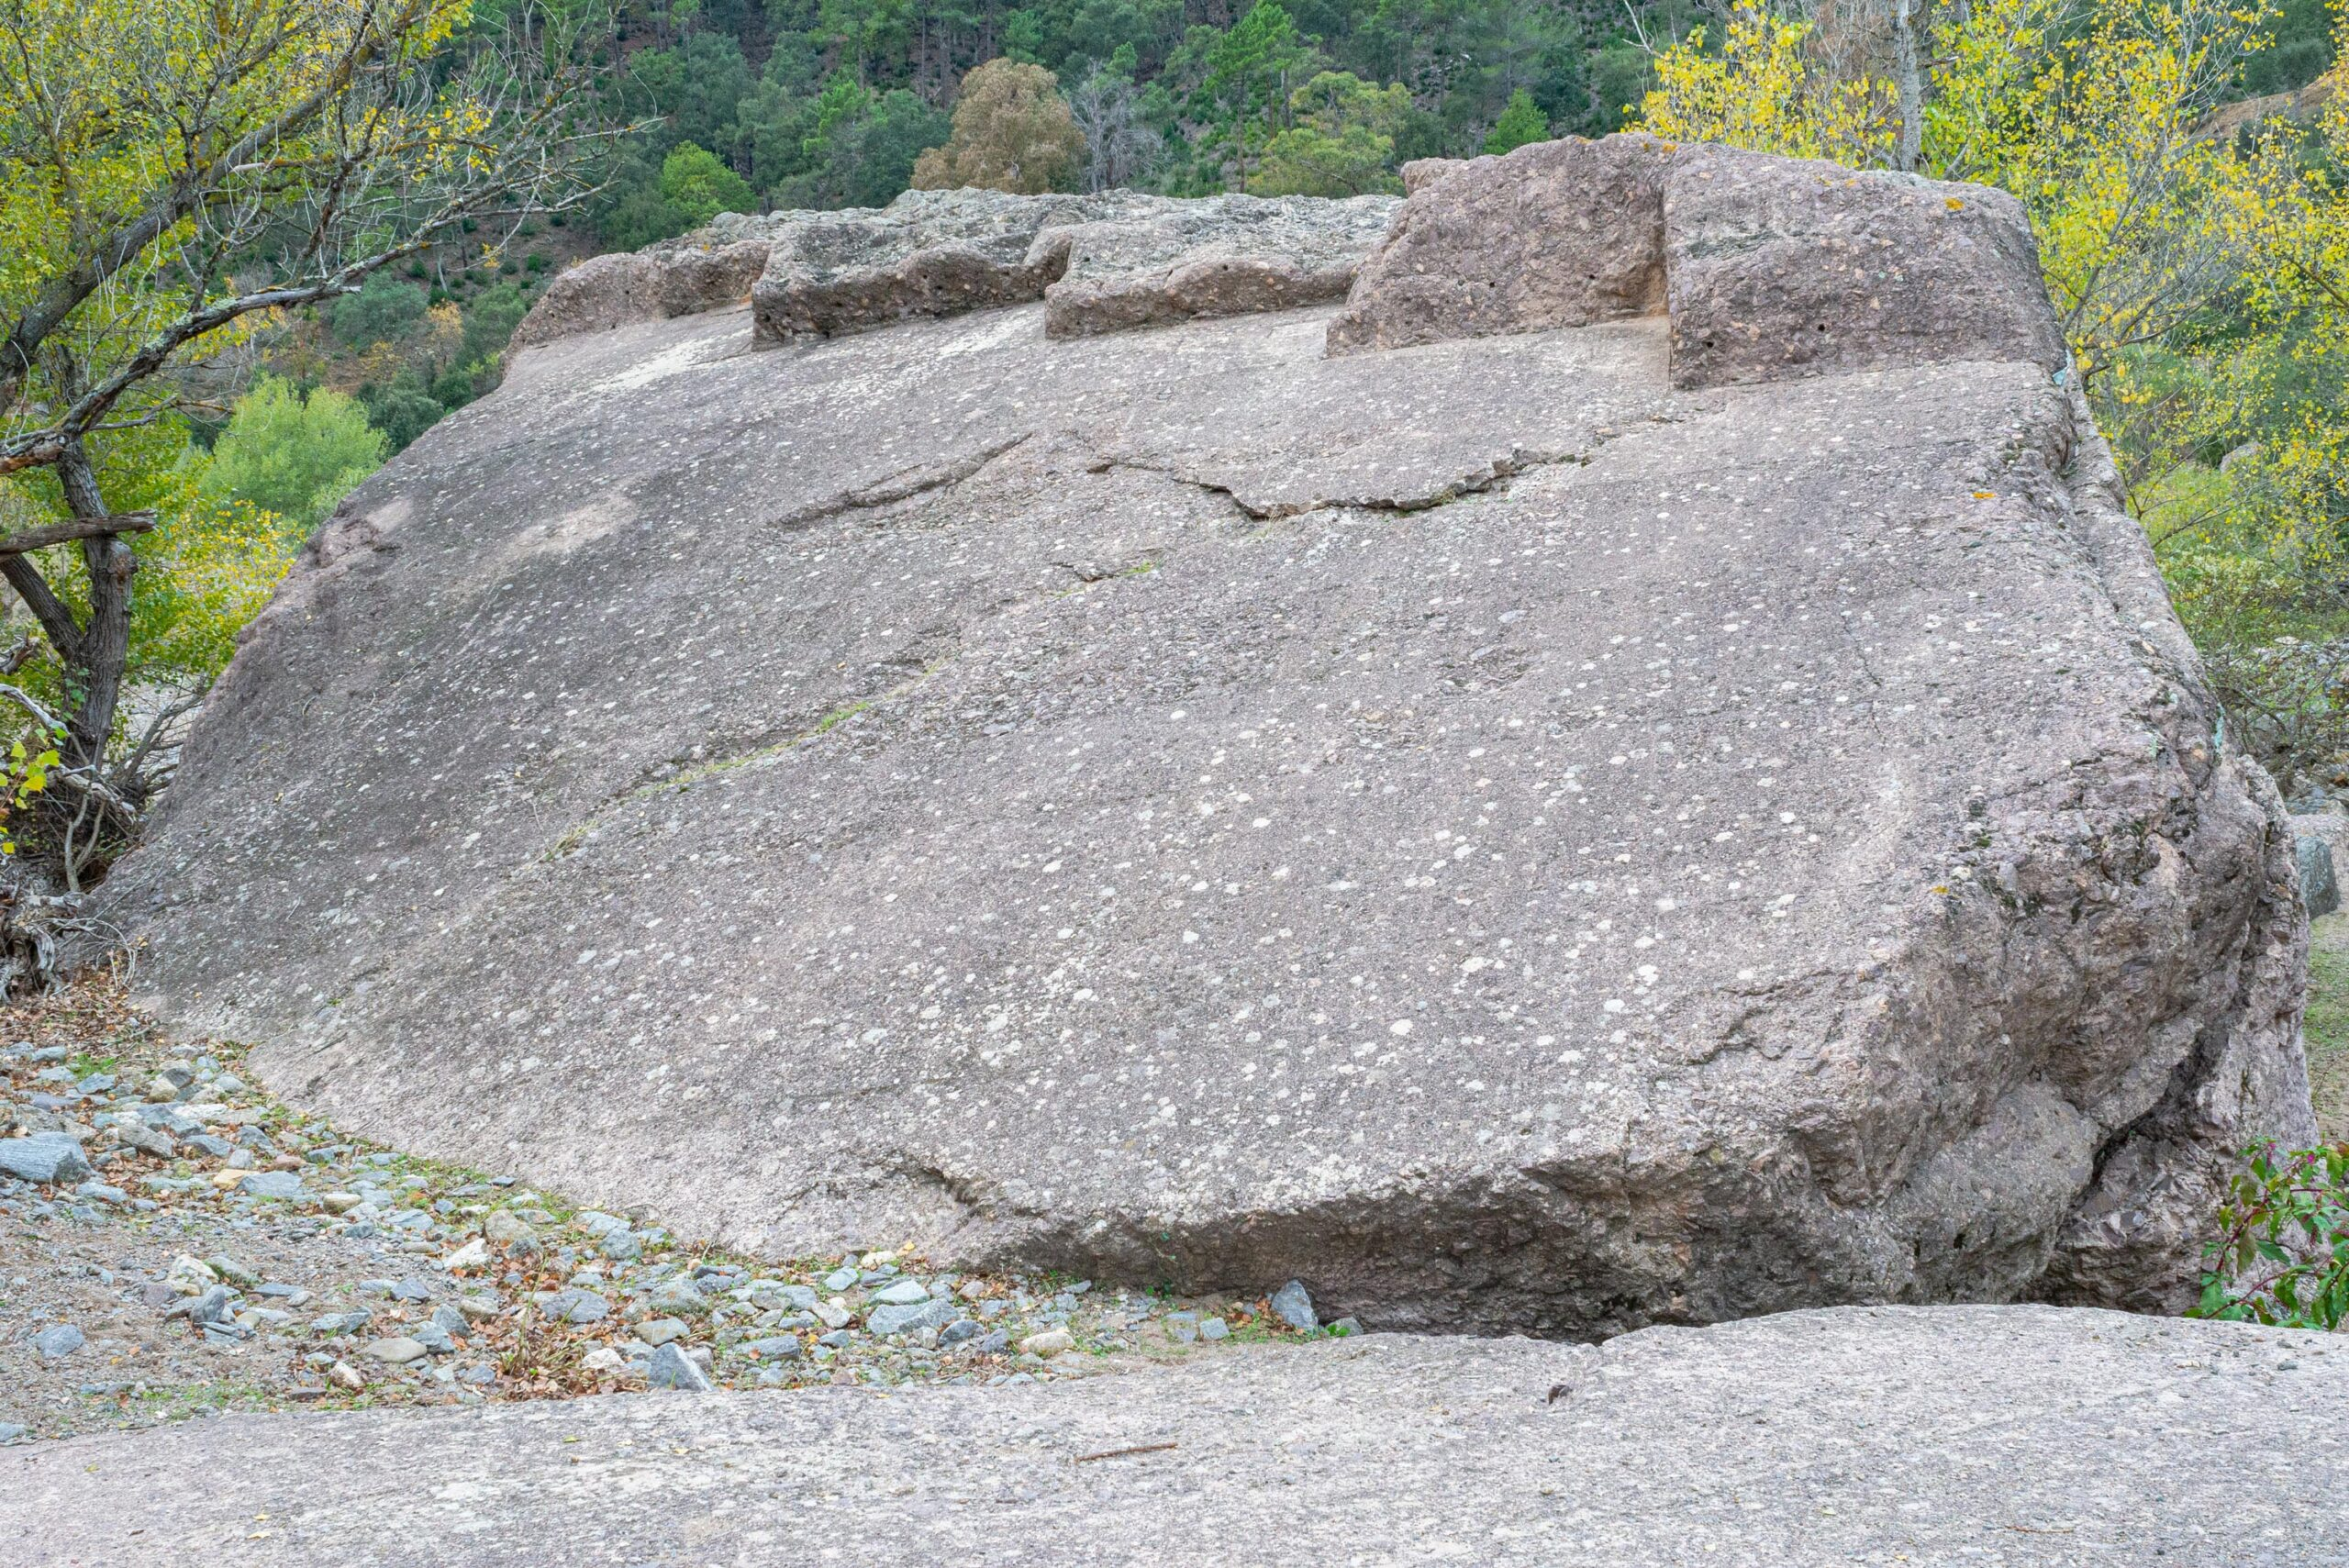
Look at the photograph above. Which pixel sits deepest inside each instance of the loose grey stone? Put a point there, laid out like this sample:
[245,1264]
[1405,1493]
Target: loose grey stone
[1293,1307]
[672,1368]
[578,1307]
[680,1297]
[43,1157]
[660,1331]
[2319,888]
[58,1342]
[839,1280]
[273,1185]
[901,1292]
[398,1351]
[780,1347]
[905,1318]
[1215,1329]
[434,1339]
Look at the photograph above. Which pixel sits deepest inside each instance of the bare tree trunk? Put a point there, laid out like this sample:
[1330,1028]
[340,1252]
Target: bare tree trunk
[95,665]
[1908,70]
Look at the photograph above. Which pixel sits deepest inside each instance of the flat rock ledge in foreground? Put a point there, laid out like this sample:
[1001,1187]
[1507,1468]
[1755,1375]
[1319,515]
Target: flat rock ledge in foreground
[1500,831]
[1973,1434]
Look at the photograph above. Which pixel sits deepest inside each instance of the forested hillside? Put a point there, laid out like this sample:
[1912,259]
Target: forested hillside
[828,103]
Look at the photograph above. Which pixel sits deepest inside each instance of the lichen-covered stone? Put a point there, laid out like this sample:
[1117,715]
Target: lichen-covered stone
[1767,267]
[1223,256]
[676,279]
[927,254]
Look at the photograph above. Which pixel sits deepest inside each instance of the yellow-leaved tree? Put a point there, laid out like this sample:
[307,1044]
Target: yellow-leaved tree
[173,174]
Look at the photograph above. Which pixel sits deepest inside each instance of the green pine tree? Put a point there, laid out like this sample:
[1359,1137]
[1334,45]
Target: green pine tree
[1519,123]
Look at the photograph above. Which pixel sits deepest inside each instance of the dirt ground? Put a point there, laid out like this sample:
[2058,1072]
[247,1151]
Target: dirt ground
[222,1250]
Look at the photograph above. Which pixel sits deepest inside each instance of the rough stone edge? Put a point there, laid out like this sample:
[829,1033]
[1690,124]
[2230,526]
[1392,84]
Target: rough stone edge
[1352,331]
[1238,285]
[621,288]
[2158,1180]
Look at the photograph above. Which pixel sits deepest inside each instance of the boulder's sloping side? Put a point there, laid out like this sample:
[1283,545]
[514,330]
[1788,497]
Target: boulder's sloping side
[2021,1436]
[1507,842]
[1223,256]
[1767,267]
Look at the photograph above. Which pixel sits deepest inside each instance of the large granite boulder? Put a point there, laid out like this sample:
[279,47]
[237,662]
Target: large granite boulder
[1505,839]
[1766,267]
[2015,1436]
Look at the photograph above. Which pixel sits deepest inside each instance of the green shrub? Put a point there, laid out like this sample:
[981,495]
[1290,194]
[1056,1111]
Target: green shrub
[292,455]
[490,320]
[2282,1253]
[1520,122]
[402,410]
[699,186]
[384,311]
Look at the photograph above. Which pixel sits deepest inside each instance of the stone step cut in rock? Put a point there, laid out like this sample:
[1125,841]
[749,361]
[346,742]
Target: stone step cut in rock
[1554,234]
[1231,255]
[1472,828]
[1766,267]
[1107,262]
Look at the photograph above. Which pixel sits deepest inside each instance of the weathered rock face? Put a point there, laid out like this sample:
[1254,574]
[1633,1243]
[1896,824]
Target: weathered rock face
[1223,256]
[1767,267]
[1106,263]
[1506,840]
[676,279]
[1554,234]
[1779,268]
[1970,1434]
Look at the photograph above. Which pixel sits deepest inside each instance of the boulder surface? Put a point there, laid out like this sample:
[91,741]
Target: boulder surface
[1475,827]
[2015,1436]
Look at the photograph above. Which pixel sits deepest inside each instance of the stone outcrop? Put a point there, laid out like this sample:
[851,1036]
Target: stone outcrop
[1554,234]
[681,278]
[1222,256]
[2015,1436]
[1766,267]
[927,254]
[1105,263]
[1503,838]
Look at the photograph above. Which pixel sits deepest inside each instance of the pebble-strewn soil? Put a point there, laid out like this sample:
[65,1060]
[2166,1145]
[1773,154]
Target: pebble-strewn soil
[223,1250]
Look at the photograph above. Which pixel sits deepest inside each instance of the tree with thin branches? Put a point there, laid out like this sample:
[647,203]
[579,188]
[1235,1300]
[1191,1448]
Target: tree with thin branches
[177,174]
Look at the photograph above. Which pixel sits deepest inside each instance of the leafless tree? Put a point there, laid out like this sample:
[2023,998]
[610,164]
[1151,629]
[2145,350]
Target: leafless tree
[1118,148]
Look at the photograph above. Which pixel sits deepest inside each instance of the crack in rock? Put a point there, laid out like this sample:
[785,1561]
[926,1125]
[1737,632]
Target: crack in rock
[1492,479]
[903,485]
